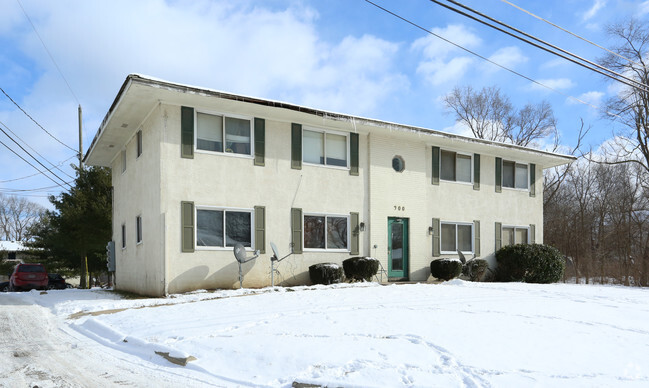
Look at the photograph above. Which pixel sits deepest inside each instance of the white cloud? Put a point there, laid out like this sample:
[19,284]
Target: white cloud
[597,5]
[509,56]
[592,97]
[554,83]
[643,8]
[440,63]
[459,128]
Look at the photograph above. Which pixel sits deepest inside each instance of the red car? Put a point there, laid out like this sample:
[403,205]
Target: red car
[27,277]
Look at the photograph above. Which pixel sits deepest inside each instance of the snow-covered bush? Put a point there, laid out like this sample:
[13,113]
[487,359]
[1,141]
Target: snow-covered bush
[361,268]
[446,269]
[475,269]
[325,273]
[530,263]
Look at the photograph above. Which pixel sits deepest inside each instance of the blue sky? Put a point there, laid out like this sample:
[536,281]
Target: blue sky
[342,55]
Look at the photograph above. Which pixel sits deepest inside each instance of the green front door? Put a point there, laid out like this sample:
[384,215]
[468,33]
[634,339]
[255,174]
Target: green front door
[397,248]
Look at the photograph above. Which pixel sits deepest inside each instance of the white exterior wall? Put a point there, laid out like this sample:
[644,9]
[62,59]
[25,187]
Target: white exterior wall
[139,267]
[226,180]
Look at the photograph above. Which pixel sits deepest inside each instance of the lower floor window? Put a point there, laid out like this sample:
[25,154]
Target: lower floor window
[325,232]
[223,228]
[456,236]
[138,229]
[515,235]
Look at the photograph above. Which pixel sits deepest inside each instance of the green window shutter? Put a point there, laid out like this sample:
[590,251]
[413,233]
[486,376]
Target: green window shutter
[187,232]
[187,132]
[260,141]
[476,171]
[296,146]
[260,228]
[499,235]
[296,230]
[499,175]
[532,234]
[532,180]
[436,165]
[356,232]
[353,154]
[436,234]
[476,238]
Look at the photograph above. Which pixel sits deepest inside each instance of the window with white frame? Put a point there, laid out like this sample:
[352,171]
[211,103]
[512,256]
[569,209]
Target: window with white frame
[515,235]
[326,148]
[223,227]
[138,138]
[138,229]
[328,232]
[455,167]
[515,175]
[123,236]
[456,236]
[220,133]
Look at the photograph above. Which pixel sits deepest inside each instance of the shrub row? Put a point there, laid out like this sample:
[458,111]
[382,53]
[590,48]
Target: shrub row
[355,269]
[530,263]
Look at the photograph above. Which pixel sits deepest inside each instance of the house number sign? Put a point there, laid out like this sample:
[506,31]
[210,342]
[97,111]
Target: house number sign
[400,208]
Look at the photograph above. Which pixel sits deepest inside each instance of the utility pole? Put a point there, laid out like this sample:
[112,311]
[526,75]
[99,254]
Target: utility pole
[84,259]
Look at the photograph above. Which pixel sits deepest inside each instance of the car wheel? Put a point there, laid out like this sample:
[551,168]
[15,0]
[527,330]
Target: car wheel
[4,288]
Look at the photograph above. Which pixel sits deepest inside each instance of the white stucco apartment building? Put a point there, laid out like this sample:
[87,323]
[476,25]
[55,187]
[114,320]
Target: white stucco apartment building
[195,171]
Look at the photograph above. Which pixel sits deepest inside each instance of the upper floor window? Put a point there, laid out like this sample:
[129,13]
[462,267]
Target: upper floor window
[455,167]
[123,236]
[514,235]
[515,175]
[220,227]
[456,236]
[220,133]
[326,232]
[138,229]
[139,143]
[326,148]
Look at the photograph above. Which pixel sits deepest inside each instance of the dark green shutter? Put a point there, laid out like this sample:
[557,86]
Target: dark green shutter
[476,238]
[353,154]
[532,180]
[499,175]
[436,235]
[260,228]
[187,232]
[356,232]
[187,132]
[499,235]
[260,141]
[532,234]
[436,165]
[296,146]
[296,230]
[476,171]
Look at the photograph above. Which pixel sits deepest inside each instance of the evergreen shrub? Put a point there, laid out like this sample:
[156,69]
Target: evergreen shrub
[446,269]
[325,273]
[361,268]
[530,263]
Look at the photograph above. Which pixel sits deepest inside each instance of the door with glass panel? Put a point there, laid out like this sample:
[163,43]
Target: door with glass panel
[397,248]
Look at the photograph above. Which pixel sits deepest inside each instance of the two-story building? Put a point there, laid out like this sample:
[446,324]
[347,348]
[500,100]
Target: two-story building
[196,171]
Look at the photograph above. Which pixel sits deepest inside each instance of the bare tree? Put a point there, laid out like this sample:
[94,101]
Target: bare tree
[17,215]
[490,115]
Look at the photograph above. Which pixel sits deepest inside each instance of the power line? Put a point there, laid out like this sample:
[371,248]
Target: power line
[33,175]
[7,190]
[36,122]
[48,52]
[588,65]
[32,156]
[490,61]
[571,33]
[26,161]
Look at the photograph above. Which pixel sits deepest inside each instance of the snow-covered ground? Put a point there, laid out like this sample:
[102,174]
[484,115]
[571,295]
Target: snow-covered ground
[454,334]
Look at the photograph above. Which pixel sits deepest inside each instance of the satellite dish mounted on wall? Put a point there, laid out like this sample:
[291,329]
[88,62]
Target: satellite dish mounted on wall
[273,259]
[240,255]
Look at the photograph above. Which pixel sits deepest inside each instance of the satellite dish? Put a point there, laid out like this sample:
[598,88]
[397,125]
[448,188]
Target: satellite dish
[275,258]
[240,253]
[274,248]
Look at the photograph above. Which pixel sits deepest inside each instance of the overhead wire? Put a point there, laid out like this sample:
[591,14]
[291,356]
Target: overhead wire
[578,61]
[32,156]
[33,175]
[489,60]
[8,190]
[27,161]
[572,33]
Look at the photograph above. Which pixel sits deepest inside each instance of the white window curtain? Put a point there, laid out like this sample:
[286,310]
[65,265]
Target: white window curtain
[313,147]
[336,150]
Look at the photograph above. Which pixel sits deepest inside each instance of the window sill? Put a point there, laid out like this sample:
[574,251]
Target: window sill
[228,154]
[527,190]
[457,182]
[454,253]
[326,250]
[326,166]
[219,249]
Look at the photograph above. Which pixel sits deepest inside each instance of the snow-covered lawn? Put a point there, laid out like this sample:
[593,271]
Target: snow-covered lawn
[452,334]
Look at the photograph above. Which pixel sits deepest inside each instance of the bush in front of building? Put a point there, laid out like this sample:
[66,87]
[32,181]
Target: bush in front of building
[446,269]
[325,273]
[360,268]
[475,269]
[530,263]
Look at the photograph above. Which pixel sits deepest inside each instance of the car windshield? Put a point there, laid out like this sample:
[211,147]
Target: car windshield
[31,268]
